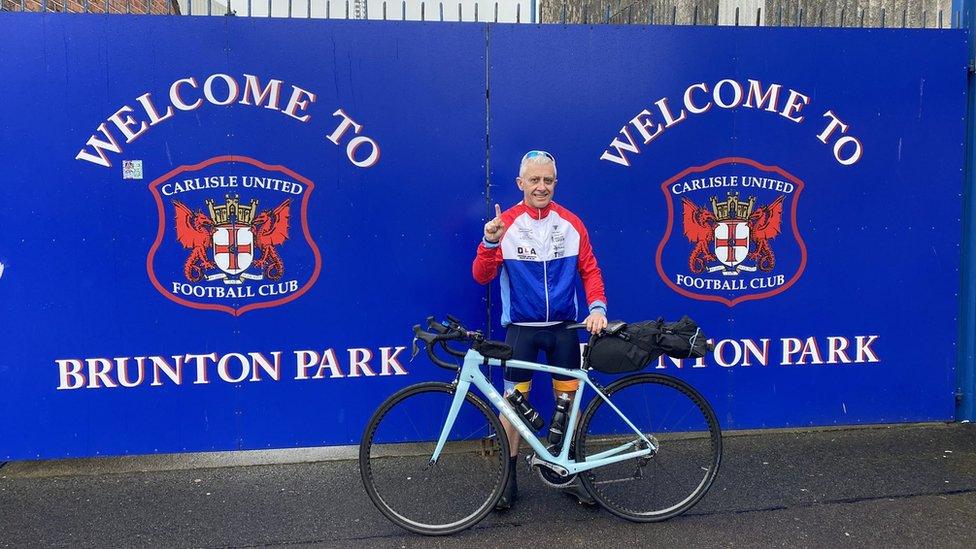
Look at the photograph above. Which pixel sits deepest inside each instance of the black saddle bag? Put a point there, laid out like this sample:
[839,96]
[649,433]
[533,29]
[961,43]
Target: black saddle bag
[633,346]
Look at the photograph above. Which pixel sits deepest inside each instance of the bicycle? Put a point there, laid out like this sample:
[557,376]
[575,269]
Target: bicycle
[434,457]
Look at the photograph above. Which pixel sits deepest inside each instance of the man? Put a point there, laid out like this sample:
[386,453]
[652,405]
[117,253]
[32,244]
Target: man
[540,248]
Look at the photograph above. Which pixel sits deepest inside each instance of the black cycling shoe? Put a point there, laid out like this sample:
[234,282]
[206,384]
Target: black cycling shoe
[577,491]
[510,495]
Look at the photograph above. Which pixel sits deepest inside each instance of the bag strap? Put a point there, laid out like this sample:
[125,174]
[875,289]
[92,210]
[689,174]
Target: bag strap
[694,338]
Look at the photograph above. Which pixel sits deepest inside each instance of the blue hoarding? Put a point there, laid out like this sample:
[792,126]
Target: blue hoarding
[796,191]
[131,329]
[218,232]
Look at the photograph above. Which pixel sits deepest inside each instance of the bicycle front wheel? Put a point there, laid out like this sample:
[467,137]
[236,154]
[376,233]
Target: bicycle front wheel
[433,498]
[674,416]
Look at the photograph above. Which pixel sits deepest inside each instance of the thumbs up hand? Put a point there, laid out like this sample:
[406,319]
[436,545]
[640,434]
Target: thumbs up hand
[495,228]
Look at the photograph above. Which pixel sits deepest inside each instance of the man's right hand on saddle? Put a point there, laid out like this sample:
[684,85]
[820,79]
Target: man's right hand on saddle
[495,228]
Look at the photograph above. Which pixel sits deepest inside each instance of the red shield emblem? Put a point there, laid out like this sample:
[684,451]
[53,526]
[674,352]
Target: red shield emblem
[732,232]
[227,239]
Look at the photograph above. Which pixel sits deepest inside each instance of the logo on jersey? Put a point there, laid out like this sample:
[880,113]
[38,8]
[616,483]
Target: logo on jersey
[228,238]
[736,237]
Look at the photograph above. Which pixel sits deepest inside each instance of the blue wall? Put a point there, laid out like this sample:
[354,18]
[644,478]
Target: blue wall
[94,271]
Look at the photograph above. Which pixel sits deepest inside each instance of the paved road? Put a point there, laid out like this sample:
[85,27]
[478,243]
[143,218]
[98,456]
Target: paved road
[905,486]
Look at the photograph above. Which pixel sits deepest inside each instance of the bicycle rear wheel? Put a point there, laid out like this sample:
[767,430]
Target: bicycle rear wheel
[666,483]
[433,498]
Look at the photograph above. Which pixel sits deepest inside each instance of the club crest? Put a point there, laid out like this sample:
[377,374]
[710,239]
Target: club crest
[737,237]
[228,239]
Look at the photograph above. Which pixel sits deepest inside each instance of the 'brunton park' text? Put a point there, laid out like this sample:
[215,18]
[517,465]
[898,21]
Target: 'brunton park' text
[364,362]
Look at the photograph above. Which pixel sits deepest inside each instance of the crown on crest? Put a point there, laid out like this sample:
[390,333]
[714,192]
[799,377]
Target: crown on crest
[232,210]
[732,207]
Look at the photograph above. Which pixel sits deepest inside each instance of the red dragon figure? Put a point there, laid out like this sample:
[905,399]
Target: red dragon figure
[700,229]
[195,231]
[764,225]
[699,226]
[271,229]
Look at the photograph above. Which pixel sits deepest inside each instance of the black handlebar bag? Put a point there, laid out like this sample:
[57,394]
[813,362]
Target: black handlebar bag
[634,346]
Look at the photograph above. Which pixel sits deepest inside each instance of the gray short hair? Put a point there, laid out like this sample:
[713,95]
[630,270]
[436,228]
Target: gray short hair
[538,160]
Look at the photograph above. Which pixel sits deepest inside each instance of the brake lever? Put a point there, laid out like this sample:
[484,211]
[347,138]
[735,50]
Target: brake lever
[415,350]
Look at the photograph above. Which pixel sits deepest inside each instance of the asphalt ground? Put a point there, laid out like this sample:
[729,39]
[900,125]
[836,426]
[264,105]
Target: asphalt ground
[893,486]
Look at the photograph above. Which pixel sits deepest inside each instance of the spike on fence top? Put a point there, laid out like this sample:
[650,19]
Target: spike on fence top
[496,12]
[758,17]
[440,11]
[737,16]
[518,13]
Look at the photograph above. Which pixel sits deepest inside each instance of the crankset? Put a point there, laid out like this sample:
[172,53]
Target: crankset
[552,475]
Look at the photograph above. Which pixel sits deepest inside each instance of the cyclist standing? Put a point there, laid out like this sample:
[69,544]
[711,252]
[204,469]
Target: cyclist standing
[540,249]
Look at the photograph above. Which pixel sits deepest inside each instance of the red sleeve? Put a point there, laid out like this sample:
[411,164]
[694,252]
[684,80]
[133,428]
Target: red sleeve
[486,263]
[590,271]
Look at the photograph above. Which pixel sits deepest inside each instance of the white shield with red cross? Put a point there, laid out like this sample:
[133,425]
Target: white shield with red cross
[731,242]
[233,246]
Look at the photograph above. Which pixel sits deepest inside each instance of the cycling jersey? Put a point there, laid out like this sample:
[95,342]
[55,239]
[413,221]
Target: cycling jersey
[538,257]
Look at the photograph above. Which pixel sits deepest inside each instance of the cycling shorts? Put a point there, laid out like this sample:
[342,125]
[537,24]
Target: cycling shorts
[562,349]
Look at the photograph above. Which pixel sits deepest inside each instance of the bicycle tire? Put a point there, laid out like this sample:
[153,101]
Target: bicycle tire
[451,495]
[690,447]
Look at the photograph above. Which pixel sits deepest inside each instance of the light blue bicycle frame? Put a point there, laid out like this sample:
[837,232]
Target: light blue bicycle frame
[470,373]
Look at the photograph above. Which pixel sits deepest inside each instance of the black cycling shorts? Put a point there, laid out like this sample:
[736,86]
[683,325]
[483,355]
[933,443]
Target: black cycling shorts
[561,346]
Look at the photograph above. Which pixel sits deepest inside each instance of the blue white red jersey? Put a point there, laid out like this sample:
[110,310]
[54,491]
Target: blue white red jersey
[537,259]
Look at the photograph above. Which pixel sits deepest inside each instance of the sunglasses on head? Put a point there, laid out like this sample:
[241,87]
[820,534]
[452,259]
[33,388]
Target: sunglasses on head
[533,154]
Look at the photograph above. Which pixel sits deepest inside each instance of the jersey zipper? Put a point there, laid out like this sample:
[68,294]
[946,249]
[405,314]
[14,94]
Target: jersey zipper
[545,285]
[545,271]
